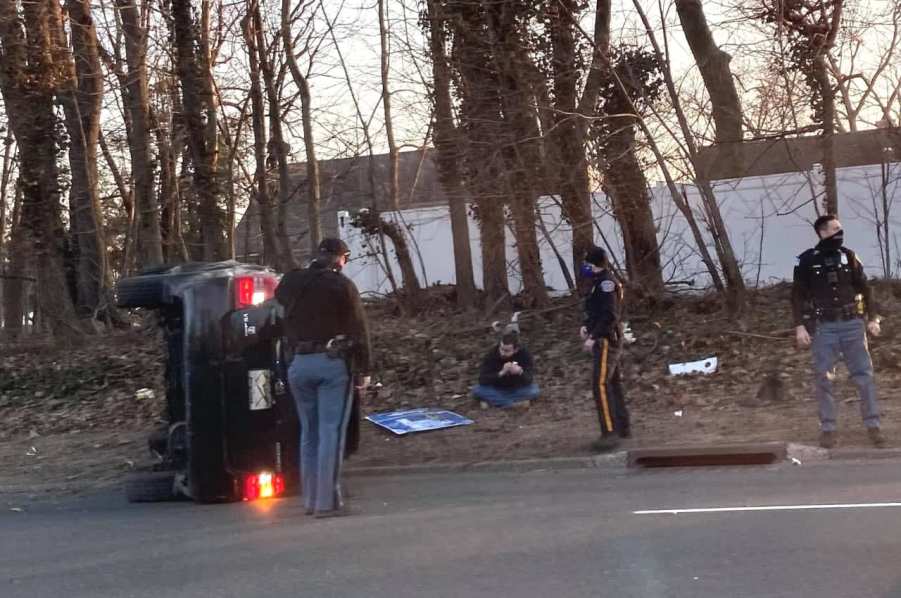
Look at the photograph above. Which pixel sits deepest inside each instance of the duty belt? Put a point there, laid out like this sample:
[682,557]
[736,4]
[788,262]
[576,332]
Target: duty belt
[832,314]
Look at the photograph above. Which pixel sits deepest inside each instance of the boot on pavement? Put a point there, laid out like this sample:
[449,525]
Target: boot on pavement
[828,439]
[876,437]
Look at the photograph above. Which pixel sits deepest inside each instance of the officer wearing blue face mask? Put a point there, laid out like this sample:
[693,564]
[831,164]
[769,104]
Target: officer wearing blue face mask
[833,311]
[602,336]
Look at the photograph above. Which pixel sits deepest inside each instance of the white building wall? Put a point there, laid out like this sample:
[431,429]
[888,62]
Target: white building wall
[768,219]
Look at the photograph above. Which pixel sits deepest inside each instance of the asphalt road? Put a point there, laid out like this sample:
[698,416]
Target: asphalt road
[537,534]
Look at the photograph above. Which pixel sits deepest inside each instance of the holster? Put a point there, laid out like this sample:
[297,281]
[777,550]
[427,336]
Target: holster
[340,346]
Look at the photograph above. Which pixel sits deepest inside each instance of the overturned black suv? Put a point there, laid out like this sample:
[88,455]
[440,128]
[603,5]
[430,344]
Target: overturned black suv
[232,431]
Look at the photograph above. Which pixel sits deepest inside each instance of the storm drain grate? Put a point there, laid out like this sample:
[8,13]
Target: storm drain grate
[711,456]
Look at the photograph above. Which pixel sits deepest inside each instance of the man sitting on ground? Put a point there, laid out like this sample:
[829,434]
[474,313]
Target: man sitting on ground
[506,375]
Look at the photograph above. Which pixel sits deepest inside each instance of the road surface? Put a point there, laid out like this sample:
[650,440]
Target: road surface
[538,534]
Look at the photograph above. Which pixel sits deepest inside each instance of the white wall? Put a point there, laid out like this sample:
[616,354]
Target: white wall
[782,203]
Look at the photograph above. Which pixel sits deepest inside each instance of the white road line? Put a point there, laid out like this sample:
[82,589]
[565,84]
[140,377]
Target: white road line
[870,505]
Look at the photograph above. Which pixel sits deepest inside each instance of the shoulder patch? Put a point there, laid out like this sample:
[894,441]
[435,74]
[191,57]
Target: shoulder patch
[608,286]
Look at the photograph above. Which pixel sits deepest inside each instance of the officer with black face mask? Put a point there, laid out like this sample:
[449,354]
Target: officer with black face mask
[602,336]
[833,310]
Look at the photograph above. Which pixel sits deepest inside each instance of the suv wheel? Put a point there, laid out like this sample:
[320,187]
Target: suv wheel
[150,486]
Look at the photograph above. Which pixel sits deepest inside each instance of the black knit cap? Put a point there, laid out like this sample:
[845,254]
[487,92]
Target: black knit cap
[596,256]
[332,246]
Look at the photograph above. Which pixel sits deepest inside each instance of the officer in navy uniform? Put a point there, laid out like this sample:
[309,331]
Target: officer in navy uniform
[833,310]
[327,329]
[603,337]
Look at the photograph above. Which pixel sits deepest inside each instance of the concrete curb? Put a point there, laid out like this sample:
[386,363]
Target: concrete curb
[610,460]
[617,460]
[855,454]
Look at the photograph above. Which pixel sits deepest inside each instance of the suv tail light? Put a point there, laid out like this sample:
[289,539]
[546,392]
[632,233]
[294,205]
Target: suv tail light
[263,485]
[253,290]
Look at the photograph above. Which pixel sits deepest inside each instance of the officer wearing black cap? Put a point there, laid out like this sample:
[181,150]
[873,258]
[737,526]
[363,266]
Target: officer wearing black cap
[833,311]
[602,336]
[326,327]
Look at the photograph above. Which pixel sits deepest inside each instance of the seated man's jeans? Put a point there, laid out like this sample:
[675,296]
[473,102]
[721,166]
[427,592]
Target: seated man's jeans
[504,397]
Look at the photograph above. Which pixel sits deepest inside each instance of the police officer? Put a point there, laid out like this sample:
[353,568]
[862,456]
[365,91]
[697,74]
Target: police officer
[325,325]
[833,310]
[603,338]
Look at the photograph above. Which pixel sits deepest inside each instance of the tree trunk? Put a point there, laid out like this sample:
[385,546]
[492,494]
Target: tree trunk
[82,104]
[128,208]
[569,135]
[520,151]
[278,148]
[827,98]
[314,199]
[271,253]
[734,282]
[14,284]
[9,158]
[714,66]
[148,236]
[29,73]
[480,123]
[200,118]
[411,283]
[632,206]
[169,143]
[449,148]
[373,225]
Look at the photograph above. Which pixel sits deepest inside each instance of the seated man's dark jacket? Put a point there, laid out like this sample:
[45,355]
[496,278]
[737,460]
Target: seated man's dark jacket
[493,363]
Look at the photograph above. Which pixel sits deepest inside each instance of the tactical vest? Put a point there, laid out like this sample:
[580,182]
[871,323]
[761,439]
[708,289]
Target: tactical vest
[831,280]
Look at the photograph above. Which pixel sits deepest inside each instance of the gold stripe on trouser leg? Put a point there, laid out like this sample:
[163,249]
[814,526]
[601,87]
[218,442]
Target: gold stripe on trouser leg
[602,385]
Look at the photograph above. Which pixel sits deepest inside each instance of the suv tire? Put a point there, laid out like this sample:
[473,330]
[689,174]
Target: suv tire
[151,486]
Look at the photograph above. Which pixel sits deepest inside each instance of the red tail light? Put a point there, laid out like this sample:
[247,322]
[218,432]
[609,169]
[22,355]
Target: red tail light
[263,485]
[253,290]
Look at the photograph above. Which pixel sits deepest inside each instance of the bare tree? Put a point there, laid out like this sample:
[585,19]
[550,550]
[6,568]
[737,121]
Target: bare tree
[450,151]
[479,110]
[314,191]
[200,114]
[572,113]
[6,175]
[734,281]
[636,83]
[408,273]
[136,97]
[33,65]
[811,29]
[713,63]
[272,253]
[14,272]
[520,144]
[277,147]
[82,99]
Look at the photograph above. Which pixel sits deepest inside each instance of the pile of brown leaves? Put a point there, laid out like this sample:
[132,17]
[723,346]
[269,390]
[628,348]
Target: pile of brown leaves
[762,390]
[48,388]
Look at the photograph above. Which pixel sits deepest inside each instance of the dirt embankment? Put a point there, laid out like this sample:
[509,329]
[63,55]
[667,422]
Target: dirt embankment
[72,417]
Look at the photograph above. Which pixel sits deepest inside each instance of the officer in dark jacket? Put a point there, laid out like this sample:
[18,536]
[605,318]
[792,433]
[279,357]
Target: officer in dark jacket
[833,310]
[602,337]
[326,327]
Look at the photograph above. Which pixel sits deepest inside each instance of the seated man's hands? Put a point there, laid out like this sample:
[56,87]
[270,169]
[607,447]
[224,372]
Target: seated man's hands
[511,368]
